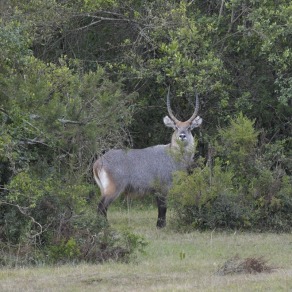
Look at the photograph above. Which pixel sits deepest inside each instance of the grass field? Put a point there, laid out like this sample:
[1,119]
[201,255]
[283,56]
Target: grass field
[172,262]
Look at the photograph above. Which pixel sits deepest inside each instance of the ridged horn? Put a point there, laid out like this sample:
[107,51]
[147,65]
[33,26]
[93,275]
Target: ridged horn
[194,115]
[171,115]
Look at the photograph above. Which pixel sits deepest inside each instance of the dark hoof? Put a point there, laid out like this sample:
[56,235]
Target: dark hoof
[160,223]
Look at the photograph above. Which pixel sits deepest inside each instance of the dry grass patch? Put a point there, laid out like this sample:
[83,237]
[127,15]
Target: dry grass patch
[173,262]
[250,265]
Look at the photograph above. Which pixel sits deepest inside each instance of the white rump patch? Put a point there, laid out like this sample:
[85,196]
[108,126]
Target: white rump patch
[104,179]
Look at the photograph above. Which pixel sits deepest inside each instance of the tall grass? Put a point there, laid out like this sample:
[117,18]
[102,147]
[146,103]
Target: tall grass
[172,262]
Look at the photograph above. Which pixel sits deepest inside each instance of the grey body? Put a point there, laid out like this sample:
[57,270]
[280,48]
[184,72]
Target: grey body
[147,170]
[142,170]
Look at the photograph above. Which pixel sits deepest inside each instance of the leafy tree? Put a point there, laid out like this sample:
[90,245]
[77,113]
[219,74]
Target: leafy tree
[56,117]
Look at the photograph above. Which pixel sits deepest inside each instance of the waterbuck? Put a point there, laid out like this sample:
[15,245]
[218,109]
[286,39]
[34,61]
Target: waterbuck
[150,169]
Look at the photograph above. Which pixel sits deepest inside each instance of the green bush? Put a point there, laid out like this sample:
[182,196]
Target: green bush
[55,119]
[241,187]
[207,199]
[65,251]
[50,221]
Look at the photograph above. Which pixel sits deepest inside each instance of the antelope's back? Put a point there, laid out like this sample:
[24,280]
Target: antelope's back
[140,169]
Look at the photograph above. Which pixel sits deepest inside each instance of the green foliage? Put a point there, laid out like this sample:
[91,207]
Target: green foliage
[236,146]
[55,119]
[206,199]
[57,223]
[64,251]
[39,204]
[204,184]
[93,5]
[78,77]
[14,41]
[56,112]
[120,246]
[240,138]
[240,189]
[133,242]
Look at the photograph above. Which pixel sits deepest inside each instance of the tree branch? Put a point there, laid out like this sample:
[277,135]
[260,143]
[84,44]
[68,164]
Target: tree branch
[64,122]
[22,210]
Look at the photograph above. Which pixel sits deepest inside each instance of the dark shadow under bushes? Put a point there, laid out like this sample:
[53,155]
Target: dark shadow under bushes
[240,187]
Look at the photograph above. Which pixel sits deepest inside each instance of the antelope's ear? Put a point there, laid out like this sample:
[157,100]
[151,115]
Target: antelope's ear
[168,122]
[196,122]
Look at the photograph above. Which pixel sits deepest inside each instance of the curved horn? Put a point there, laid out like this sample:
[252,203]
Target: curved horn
[196,108]
[171,115]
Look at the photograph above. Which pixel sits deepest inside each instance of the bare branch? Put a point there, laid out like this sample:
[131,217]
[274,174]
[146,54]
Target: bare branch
[64,121]
[36,141]
[99,19]
[23,211]
[4,111]
[221,10]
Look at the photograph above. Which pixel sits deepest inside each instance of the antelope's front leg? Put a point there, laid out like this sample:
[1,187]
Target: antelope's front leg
[161,204]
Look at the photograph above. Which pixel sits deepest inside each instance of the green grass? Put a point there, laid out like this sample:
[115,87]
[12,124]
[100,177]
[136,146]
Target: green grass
[173,262]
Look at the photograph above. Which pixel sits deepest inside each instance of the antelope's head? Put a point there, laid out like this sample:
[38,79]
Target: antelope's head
[182,130]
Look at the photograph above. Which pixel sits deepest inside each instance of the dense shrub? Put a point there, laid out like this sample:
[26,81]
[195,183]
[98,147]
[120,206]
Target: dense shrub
[239,187]
[50,221]
[55,119]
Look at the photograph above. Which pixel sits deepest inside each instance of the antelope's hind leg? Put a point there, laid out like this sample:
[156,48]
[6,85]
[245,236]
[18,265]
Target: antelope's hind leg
[103,205]
[109,191]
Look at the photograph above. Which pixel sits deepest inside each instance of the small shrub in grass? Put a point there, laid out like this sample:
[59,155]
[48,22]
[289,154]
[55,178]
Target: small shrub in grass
[113,245]
[56,224]
[250,265]
[107,245]
[20,255]
[99,243]
[65,251]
